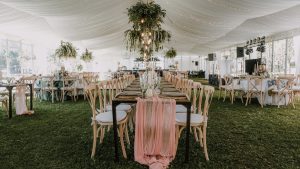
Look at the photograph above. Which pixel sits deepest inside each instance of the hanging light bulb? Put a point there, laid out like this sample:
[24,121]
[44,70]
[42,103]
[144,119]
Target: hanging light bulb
[142,21]
[149,33]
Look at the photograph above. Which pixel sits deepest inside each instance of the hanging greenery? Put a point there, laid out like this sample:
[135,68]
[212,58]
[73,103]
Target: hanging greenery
[141,59]
[146,33]
[66,50]
[171,53]
[79,67]
[87,56]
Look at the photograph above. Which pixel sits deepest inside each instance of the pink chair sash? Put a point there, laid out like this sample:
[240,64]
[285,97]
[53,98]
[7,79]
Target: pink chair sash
[155,132]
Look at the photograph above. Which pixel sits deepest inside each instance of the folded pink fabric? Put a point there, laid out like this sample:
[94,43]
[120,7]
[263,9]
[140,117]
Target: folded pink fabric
[155,132]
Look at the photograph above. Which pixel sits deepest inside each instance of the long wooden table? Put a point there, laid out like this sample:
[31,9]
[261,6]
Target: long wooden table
[9,87]
[127,97]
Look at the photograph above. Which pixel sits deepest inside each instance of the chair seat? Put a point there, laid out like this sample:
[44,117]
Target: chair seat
[3,98]
[255,90]
[49,88]
[281,91]
[106,117]
[181,109]
[120,107]
[3,92]
[68,88]
[227,87]
[296,88]
[237,88]
[195,118]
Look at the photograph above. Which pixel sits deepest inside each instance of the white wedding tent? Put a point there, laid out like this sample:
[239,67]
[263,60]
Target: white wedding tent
[197,27]
[158,84]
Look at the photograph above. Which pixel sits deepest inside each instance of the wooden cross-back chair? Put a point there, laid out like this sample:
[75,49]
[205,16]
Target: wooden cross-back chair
[112,88]
[228,86]
[102,119]
[296,87]
[195,88]
[47,86]
[29,80]
[284,89]
[69,88]
[237,90]
[255,89]
[199,115]
[4,103]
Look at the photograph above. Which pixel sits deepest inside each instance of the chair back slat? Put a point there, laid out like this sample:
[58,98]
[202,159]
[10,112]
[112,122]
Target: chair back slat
[91,93]
[208,94]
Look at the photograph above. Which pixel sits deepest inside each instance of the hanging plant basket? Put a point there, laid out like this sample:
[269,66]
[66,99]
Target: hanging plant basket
[146,19]
[86,56]
[66,50]
[79,67]
[171,53]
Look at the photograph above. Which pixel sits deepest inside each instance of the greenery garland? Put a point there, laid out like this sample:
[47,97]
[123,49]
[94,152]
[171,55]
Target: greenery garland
[146,17]
[171,53]
[87,56]
[66,50]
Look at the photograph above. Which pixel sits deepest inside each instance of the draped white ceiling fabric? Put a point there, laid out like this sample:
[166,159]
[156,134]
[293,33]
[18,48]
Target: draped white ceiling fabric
[197,26]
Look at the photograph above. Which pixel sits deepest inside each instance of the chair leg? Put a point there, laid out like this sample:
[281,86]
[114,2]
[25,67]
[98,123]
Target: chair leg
[242,98]
[262,101]
[225,93]
[101,132]
[232,96]
[126,134]
[176,135]
[247,100]
[195,134]
[121,129]
[292,100]
[200,137]
[94,140]
[52,95]
[62,96]
[204,143]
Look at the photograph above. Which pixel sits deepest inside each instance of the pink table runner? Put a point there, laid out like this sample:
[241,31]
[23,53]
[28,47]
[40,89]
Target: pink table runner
[155,132]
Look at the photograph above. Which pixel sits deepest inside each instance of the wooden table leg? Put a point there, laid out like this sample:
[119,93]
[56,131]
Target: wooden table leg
[9,102]
[114,105]
[188,124]
[31,96]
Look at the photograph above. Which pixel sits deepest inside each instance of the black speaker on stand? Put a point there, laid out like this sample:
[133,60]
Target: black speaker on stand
[240,52]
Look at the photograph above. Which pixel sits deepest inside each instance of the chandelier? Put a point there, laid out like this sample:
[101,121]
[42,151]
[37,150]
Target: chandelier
[146,34]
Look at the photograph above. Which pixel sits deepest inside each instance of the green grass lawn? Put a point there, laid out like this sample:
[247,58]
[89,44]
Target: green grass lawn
[60,136]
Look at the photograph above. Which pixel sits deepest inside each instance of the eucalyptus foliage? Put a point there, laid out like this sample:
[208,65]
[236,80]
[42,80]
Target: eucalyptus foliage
[66,50]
